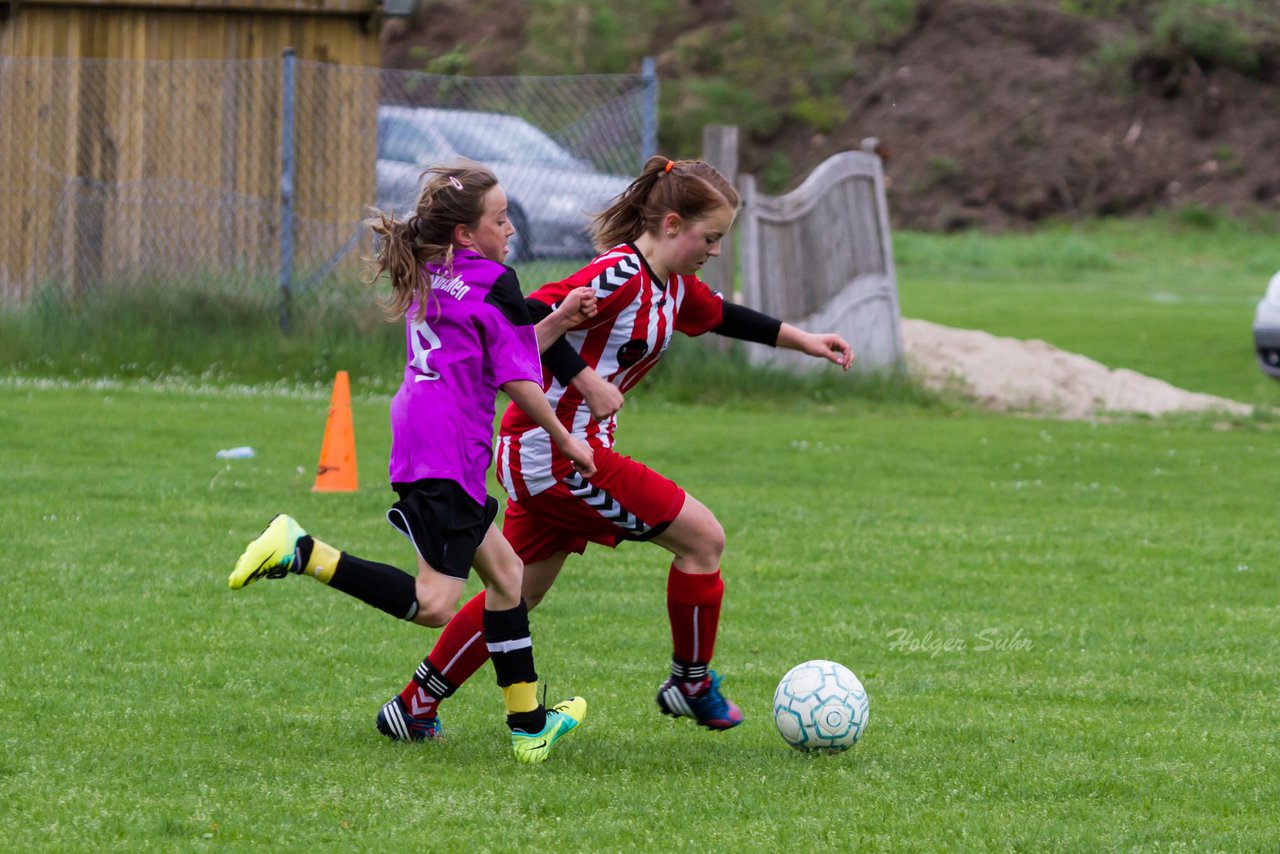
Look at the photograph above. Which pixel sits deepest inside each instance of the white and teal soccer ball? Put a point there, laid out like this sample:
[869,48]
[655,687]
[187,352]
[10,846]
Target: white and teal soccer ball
[820,705]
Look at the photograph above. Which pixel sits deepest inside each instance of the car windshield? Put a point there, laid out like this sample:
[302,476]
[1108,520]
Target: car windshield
[501,139]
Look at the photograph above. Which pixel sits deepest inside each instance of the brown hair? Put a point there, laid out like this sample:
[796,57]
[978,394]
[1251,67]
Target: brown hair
[453,195]
[691,188]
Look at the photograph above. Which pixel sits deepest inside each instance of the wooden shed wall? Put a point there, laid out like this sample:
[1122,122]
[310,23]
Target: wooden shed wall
[243,30]
[104,106]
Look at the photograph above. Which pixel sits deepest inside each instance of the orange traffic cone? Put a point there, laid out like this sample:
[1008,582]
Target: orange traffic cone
[337,469]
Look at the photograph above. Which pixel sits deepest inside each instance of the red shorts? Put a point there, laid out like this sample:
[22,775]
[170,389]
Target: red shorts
[623,500]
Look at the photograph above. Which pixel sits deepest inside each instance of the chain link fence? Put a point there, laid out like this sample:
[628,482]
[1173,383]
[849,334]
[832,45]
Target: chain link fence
[253,177]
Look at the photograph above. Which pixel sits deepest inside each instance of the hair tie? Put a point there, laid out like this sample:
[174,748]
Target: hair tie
[457,185]
[670,165]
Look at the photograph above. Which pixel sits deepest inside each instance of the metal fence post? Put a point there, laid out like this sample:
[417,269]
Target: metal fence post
[649,130]
[288,104]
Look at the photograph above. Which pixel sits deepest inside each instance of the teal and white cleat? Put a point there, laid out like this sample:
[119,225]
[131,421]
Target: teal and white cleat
[563,719]
[395,722]
[272,555]
[710,708]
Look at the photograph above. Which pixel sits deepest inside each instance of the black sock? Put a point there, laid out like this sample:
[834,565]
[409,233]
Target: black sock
[530,722]
[378,584]
[302,553]
[692,675]
[432,681]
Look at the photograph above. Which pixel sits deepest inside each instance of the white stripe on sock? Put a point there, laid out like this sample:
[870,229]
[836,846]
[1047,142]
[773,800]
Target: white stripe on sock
[465,647]
[696,651]
[510,645]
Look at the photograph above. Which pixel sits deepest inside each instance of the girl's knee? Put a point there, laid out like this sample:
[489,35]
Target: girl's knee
[437,601]
[696,538]
[434,615]
[506,578]
[709,540]
[715,538]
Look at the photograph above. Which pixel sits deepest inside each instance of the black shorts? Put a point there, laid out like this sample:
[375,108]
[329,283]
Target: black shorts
[443,522]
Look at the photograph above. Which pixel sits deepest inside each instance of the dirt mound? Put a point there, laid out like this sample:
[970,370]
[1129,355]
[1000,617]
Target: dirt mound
[1016,375]
[993,116]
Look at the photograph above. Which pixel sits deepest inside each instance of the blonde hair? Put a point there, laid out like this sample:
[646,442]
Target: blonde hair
[453,195]
[690,188]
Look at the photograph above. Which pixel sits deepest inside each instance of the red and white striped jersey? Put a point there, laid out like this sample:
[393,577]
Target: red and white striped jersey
[636,319]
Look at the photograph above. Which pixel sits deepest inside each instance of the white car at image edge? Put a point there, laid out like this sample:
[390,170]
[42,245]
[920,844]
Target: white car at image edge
[1266,329]
[551,194]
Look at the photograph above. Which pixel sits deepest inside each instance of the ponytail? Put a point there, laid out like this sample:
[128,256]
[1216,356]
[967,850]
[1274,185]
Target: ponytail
[403,260]
[691,188]
[453,195]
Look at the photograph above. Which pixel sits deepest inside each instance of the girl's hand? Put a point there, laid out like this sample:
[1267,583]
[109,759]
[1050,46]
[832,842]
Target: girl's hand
[822,345]
[602,397]
[830,346]
[578,306]
[580,454]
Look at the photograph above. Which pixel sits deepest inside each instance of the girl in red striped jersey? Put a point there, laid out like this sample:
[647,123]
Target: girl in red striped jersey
[654,238]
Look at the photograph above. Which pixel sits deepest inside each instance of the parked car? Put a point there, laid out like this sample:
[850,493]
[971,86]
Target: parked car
[551,195]
[1266,329]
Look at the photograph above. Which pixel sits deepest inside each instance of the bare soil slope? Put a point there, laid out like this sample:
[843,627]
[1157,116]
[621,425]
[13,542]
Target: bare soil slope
[992,117]
[989,116]
[992,114]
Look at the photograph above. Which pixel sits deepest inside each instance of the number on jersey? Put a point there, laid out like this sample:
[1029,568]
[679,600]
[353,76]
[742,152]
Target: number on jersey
[423,341]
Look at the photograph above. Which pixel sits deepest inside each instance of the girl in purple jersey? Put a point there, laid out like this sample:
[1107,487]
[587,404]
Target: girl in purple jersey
[469,335]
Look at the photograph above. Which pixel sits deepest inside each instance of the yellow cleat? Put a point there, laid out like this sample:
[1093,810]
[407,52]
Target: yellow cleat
[563,719]
[271,555]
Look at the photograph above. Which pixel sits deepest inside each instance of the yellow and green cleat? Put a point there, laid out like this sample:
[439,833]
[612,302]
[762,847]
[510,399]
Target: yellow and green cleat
[562,719]
[272,555]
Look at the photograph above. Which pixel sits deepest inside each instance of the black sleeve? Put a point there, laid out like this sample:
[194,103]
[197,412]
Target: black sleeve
[747,324]
[564,361]
[506,297]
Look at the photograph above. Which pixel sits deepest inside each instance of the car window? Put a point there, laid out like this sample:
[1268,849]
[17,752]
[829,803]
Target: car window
[401,140]
[493,138]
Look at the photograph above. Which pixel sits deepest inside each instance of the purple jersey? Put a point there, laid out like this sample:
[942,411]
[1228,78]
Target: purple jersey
[476,335]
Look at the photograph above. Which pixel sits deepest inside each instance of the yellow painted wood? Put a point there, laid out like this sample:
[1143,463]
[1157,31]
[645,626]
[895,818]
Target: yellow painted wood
[103,100]
[298,8]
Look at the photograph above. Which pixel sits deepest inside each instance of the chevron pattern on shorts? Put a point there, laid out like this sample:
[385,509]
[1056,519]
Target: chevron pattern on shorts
[605,504]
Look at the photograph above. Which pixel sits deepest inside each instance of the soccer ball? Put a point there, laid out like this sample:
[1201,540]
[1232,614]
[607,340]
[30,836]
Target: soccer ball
[820,705]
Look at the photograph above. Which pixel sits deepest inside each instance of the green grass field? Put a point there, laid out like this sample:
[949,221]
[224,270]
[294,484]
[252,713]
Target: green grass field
[1067,630]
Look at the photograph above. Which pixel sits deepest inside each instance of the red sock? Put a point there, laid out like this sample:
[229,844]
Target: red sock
[693,606]
[459,652]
